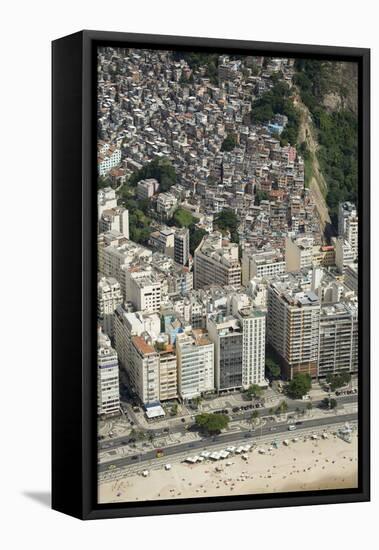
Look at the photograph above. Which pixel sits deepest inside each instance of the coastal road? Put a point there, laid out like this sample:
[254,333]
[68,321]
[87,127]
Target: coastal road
[226,439]
[236,417]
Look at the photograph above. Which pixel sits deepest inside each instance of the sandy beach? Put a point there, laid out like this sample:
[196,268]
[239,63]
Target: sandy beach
[303,465]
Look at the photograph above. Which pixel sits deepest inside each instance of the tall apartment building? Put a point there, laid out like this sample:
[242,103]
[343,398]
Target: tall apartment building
[109,296]
[166,205]
[108,391]
[115,219]
[344,254]
[181,246]
[253,322]
[216,262]
[168,370]
[108,157]
[351,234]
[144,290]
[118,259]
[299,253]
[261,264]
[345,211]
[163,240]
[195,356]
[127,325]
[144,369]
[227,335]
[293,321]
[338,340]
[110,238]
[147,188]
[106,199]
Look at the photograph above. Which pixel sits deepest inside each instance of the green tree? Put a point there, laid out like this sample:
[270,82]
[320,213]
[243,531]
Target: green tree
[254,391]
[226,220]
[183,218]
[299,385]
[272,369]
[174,409]
[336,381]
[229,143]
[212,422]
[260,196]
[196,236]
[328,403]
[254,418]
[104,181]
[160,169]
[282,407]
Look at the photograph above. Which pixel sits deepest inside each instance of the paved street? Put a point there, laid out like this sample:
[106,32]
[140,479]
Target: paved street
[292,405]
[226,439]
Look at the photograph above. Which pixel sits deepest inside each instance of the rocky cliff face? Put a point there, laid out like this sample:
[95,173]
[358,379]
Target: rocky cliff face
[341,87]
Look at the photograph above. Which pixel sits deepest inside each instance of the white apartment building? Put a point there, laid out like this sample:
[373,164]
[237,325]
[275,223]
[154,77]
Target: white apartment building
[144,291]
[163,240]
[111,238]
[338,344]
[216,262]
[106,199]
[127,325]
[261,264]
[108,159]
[109,296]
[344,254]
[166,204]
[299,253]
[115,219]
[144,369]
[195,358]
[345,211]
[147,188]
[118,259]
[351,234]
[253,322]
[108,391]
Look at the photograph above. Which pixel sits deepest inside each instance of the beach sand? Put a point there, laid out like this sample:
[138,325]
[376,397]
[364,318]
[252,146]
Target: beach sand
[302,466]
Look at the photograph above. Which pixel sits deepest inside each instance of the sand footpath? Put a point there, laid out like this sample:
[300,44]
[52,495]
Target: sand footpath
[303,465]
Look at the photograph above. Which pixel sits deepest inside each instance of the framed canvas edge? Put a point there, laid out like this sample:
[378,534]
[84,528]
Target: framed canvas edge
[89,508]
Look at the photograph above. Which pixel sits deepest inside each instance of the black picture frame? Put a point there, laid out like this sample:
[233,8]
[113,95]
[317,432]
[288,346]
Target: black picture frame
[74,441]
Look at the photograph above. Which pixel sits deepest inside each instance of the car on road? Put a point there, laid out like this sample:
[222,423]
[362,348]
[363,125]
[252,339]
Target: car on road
[292,427]
[298,423]
[135,457]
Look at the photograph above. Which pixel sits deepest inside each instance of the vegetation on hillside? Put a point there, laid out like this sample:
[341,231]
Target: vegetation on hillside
[160,169]
[196,60]
[278,101]
[183,218]
[196,235]
[337,132]
[229,143]
[227,220]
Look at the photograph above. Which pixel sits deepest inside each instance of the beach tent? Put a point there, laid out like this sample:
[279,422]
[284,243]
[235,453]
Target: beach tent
[205,454]
[224,454]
